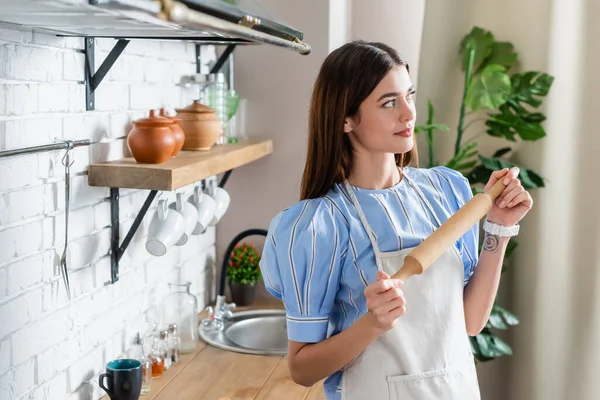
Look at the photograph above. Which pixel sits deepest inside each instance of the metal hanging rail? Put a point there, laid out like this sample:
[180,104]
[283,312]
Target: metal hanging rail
[177,12]
[62,145]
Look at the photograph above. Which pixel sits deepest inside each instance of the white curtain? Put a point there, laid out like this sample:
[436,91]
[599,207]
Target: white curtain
[558,275]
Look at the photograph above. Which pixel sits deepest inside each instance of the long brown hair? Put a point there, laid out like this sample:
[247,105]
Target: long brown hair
[347,77]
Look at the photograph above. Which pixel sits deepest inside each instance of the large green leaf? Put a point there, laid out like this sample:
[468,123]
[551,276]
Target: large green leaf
[529,179]
[489,89]
[501,348]
[435,127]
[514,117]
[481,173]
[507,123]
[496,321]
[463,161]
[491,345]
[510,318]
[528,87]
[477,350]
[502,151]
[503,53]
[481,41]
[486,346]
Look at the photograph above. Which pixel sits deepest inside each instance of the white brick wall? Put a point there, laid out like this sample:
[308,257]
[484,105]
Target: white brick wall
[51,348]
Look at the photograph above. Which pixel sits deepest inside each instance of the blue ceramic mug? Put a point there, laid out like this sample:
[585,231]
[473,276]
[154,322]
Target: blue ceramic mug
[124,379]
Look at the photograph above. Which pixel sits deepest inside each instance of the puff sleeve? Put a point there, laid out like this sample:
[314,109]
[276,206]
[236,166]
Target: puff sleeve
[301,265]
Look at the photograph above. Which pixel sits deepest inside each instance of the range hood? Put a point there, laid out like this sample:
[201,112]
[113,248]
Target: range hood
[201,21]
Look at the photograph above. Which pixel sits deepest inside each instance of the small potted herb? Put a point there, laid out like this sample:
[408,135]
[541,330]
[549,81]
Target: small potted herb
[242,273]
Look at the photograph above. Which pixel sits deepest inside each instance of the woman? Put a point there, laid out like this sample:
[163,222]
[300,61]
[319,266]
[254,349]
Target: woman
[330,256]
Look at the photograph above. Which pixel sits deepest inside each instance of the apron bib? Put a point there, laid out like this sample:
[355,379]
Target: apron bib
[427,355]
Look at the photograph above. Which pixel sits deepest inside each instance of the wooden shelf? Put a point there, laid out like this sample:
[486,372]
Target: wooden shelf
[188,167]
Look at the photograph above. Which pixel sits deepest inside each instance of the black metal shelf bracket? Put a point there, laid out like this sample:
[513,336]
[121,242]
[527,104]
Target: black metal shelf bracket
[117,250]
[93,79]
[222,59]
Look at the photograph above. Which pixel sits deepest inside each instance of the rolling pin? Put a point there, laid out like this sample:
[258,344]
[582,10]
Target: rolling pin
[422,256]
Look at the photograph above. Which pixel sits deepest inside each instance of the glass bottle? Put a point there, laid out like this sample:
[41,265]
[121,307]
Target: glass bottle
[180,307]
[158,363]
[217,99]
[165,351]
[238,123]
[136,352]
[174,343]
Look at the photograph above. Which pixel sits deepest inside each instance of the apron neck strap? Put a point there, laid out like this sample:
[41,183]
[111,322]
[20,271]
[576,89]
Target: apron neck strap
[424,199]
[363,219]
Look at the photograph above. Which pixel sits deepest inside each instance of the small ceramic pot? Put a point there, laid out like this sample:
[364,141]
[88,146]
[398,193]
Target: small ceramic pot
[176,129]
[200,125]
[151,140]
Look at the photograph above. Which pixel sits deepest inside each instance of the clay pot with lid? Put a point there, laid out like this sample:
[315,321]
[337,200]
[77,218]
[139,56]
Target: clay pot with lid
[201,126]
[176,129]
[151,140]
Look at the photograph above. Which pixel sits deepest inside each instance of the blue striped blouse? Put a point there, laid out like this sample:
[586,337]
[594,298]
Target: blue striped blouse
[318,258]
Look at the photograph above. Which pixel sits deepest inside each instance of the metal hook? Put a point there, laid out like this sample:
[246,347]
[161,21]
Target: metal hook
[66,160]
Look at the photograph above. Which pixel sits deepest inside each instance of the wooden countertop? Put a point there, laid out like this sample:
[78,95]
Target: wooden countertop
[210,373]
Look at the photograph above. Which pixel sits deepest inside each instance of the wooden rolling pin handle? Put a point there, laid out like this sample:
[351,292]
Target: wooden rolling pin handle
[495,190]
[411,267]
[422,256]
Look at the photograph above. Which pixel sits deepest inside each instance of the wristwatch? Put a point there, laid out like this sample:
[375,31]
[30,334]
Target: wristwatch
[500,230]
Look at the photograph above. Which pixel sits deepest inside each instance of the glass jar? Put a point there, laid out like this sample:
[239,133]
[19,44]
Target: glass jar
[174,343]
[180,307]
[217,99]
[164,349]
[136,352]
[158,363]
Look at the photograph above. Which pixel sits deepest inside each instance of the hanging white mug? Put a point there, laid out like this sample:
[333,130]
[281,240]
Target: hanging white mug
[190,214]
[205,207]
[165,229]
[222,200]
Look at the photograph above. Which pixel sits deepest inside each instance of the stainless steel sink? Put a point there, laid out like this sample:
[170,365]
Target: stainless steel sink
[251,332]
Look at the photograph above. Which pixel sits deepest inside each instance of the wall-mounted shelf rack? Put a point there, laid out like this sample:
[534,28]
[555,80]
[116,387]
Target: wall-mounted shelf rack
[217,22]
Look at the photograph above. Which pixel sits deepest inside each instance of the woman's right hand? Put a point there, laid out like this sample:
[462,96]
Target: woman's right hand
[385,301]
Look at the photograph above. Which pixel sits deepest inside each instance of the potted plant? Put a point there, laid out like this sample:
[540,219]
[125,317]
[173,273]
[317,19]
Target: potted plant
[506,102]
[242,273]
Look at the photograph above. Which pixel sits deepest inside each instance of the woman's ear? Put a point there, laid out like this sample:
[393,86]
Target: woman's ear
[348,125]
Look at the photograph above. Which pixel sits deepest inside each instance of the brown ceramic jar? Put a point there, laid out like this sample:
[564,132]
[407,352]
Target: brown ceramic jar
[176,129]
[201,126]
[151,140]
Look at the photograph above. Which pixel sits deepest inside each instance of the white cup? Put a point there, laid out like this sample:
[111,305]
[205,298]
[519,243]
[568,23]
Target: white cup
[205,207]
[222,200]
[189,214]
[165,229]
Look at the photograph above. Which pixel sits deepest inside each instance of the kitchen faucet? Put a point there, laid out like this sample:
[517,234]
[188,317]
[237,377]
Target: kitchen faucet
[222,310]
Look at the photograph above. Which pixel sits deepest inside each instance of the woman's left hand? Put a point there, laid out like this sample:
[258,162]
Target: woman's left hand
[513,203]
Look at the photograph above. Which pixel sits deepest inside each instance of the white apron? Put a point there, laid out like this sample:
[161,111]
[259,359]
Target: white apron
[427,355]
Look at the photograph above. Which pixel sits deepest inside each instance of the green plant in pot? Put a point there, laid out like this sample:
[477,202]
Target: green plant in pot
[242,273]
[507,102]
